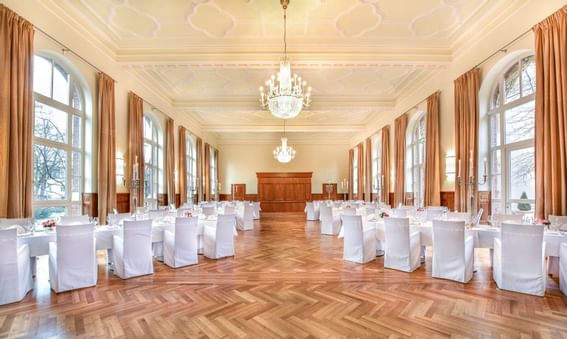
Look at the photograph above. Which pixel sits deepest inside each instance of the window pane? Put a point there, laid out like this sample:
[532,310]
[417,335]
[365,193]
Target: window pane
[147,128]
[50,123]
[522,174]
[495,130]
[76,100]
[60,84]
[528,76]
[495,102]
[522,207]
[498,207]
[77,131]
[148,154]
[148,182]
[520,122]
[77,177]
[512,84]
[496,177]
[49,173]
[42,76]
[44,213]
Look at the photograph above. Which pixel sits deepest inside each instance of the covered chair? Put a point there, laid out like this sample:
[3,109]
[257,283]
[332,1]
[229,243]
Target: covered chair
[349,211]
[74,220]
[508,218]
[359,245]
[245,217]
[402,246]
[461,216]
[219,241]
[563,268]
[330,224]
[24,222]
[180,244]
[519,259]
[433,213]
[208,210]
[115,219]
[72,259]
[453,252]
[229,209]
[257,209]
[400,212]
[133,250]
[15,269]
[312,211]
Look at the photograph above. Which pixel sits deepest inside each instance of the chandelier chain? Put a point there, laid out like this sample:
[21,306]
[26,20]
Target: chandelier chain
[285,32]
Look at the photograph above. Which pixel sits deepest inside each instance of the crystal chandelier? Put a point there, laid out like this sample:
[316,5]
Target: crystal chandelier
[284,153]
[285,96]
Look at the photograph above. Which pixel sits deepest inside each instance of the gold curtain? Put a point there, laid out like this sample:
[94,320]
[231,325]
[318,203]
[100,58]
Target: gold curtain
[368,171]
[466,136]
[136,145]
[106,147]
[182,166]
[385,165]
[432,149]
[16,105]
[551,115]
[170,161]
[400,124]
[217,173]
[350,172]
[207,172]
[200,188]
[360,181]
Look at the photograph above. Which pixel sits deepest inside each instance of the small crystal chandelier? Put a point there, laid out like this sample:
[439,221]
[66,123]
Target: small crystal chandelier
[286,96]
[284,153]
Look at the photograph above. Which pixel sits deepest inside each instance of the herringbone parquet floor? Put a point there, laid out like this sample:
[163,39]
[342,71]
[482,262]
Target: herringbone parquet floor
[286,281]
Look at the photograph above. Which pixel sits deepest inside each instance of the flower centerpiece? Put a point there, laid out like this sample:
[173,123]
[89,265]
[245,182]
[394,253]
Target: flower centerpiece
[188,214]
[48,224]
[384,215]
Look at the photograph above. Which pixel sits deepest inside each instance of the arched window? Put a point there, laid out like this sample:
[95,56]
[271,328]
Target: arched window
[191,165]
[213,178]
[415,161]
[58,143]
[511,132]
[153,158]
[376,162]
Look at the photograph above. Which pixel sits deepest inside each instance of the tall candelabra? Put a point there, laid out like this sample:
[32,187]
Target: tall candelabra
[135,183]
[329,190]
[472,182]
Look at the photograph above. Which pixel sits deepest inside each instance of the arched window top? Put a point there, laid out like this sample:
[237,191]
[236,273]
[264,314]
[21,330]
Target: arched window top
[516,82]
[152,129]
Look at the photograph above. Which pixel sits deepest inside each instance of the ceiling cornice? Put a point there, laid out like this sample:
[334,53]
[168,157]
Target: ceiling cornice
[277,127]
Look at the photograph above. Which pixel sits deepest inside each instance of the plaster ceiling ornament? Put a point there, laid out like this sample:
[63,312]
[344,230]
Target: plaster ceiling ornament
[286,96]
[284,153]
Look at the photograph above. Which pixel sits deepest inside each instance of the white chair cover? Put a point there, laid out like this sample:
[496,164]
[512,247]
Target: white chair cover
[453,253]
[349,211]
[115,219]
[5,223]
[133,250]
[312,211]
[519,259]
[433,213]
[370,210]
[156,214]
[563,268]
[72,259]
[509,218]
[359,246]
[330,224]
[400,212]
[257,210]
[229,209]
[558,221]
[15,269]
[402,248]
[219,241]
[180,245]
[460,216]
[208,210]
[245,217]
[74,219]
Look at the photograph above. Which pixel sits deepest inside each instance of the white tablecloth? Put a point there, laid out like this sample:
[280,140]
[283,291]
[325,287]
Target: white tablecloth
[38,242]
[484,235]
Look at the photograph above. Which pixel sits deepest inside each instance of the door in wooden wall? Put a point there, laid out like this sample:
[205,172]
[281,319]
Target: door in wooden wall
[284,191]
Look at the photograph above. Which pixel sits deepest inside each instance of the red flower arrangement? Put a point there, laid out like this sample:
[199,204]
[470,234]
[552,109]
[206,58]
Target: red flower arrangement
[188,214]
[49,224]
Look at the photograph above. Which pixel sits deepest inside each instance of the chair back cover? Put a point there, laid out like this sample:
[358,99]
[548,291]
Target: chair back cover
[508,218]
[137,242]
[257,209]
[396,232]
[4,223]
[461,216]
[349,211]
[433,213]
[225,232]
[74,219]
[156,214]
[449,240]
[521,248]
[370,210]
[558,222]
[8,261]
[186,231]
[115,219]
[76,255]
[326,213]
[353,233]
[229,209]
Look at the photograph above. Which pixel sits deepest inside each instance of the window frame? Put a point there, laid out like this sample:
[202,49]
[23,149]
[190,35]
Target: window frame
[415,165]
[70,206]
[377,163]
[506,149]
[191,165]
[156,145]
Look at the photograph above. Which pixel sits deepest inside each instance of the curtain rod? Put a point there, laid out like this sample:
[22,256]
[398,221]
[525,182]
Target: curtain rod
[503,48]
[67,49]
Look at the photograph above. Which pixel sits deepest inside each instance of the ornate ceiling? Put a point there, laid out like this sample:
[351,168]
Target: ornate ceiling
[209,56]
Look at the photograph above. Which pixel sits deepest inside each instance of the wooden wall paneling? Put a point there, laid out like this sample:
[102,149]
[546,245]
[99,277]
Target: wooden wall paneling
[238,191]
[284,191]
[123,202]
[448,199]
[162,199]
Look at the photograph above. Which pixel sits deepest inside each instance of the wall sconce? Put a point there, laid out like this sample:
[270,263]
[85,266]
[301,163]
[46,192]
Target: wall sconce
[450,164]
[120,171]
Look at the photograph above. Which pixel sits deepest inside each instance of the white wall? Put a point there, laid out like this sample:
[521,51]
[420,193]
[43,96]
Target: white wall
[238,164]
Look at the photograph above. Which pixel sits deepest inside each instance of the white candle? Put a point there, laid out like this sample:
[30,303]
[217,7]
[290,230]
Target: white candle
[135,169]
[485,167]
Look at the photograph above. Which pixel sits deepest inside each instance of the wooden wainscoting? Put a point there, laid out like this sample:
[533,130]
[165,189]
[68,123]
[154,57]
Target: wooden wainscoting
[123,202]
[247,197]
[284,191]
[448,200]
